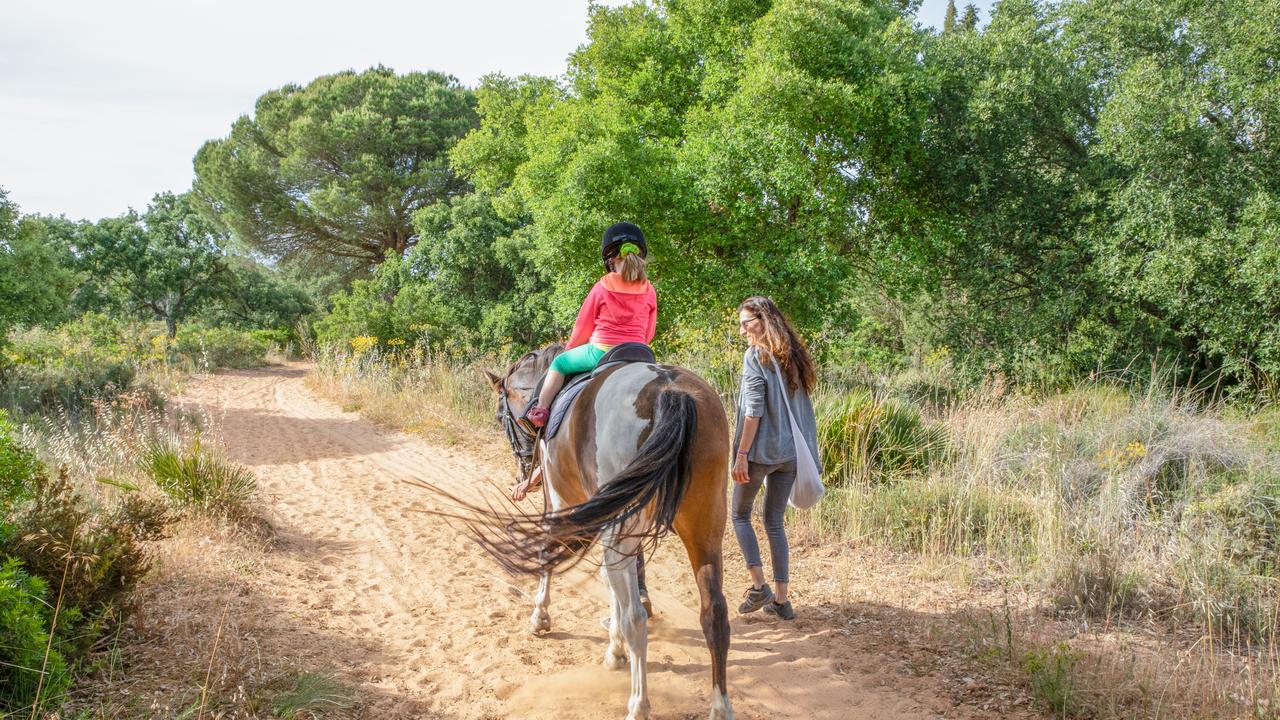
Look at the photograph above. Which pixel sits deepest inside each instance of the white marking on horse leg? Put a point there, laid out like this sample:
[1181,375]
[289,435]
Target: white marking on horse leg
[615,653]
[540,621]
[720,709]
[630,620]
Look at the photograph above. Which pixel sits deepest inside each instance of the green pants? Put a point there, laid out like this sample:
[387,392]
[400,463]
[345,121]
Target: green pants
[581,359]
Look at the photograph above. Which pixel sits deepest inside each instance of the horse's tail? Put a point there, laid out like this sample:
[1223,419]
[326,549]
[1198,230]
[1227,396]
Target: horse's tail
[656,477]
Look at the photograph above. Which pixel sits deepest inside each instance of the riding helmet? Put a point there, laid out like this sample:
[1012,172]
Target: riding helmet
[617,234]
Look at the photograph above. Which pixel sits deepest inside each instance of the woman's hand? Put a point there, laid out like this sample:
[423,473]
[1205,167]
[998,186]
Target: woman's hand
[739,471]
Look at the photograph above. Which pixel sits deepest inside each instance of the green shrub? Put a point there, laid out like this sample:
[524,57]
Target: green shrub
[25,646]
[863,436]
[51,370]
[210,348]
[1228,567]
[1243,518]
[96,553]
[1051,672]
[92,551]
[194,478]
[18,470]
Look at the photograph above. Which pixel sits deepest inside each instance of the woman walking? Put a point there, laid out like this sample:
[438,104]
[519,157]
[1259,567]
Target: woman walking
[777,377]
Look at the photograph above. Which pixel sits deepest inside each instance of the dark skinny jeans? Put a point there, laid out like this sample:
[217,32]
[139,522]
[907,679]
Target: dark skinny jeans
[777,490]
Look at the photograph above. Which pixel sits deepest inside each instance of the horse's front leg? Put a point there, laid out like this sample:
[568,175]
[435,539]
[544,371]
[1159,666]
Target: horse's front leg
[540,621]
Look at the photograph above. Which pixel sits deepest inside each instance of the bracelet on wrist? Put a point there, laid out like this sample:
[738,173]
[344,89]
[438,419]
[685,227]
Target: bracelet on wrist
[743,452]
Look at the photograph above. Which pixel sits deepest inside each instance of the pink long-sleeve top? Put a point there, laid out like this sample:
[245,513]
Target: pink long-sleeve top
[616,311]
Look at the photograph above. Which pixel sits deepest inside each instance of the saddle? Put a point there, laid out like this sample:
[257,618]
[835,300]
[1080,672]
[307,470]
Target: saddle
[617,355]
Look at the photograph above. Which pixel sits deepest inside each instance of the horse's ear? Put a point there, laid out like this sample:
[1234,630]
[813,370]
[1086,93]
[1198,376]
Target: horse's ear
[495,382]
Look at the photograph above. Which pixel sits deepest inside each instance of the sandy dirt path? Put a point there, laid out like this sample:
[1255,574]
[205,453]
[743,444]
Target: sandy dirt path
[423,625]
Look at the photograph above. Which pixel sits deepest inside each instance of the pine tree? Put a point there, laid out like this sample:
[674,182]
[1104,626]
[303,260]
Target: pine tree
[949,23]
[970,19]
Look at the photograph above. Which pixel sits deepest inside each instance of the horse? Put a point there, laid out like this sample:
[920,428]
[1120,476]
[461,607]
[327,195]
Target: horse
[643,450]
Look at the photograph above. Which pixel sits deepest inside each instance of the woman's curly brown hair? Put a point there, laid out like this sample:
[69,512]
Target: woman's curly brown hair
[781,342]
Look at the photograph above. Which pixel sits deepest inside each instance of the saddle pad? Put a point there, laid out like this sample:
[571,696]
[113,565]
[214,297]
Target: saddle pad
[564,400]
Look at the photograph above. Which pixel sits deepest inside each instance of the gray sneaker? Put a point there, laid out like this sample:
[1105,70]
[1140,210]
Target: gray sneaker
[755,598]
[781,610]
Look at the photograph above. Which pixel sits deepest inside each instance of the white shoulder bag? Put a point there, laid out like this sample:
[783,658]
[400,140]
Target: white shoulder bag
[808,489]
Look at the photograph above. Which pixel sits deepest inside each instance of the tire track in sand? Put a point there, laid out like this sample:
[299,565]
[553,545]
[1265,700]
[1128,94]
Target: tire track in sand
[437,631]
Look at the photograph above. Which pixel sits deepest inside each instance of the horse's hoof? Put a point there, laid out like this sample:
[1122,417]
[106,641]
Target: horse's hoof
[720,708]
[614,662]
[540,625]
[639,711]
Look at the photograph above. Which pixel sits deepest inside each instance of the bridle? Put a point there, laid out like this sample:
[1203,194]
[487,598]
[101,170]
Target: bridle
[522,441]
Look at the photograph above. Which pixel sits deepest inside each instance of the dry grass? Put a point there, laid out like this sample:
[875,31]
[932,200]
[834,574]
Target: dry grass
[1143,525]
[207,638]
[414,391]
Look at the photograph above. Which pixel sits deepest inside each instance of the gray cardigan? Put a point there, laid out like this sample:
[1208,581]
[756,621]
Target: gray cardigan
[761,395]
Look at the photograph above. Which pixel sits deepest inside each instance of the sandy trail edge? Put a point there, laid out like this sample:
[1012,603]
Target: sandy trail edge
[424,625]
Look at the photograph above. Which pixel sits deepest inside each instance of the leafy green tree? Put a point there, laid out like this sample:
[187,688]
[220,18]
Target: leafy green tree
[252,295]
[37,277]
[993,196]
[166,262]
[1188,239]
[739,134]
[1077,185]
[386,305]
[485,287]
[335,170]
[949,20]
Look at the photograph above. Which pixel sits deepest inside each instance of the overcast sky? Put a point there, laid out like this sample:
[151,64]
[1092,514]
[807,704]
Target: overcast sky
[103,104]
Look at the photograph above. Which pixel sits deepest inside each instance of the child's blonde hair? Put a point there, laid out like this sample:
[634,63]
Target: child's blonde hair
[631,267]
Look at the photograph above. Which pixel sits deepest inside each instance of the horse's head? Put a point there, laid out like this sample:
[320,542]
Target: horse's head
[515,390]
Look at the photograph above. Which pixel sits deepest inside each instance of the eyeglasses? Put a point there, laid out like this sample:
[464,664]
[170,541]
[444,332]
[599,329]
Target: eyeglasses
[744,323]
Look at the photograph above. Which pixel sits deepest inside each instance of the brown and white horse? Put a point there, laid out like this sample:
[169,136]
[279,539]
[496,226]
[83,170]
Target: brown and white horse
[644,450]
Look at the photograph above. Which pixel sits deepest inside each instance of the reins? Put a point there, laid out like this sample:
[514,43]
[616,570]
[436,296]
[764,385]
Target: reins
[520,438]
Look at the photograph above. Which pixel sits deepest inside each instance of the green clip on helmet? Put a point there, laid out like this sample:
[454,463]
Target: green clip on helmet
[617,235]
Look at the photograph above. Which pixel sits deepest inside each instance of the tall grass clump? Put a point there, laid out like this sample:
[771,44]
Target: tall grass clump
[196,478]
[307,694]
[866,437]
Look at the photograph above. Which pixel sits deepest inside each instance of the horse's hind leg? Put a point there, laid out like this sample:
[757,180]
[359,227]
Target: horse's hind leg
[615,653]
[629,620]
[707,568]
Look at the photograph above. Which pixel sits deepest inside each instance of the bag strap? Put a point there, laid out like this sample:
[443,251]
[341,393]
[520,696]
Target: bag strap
[786,399]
